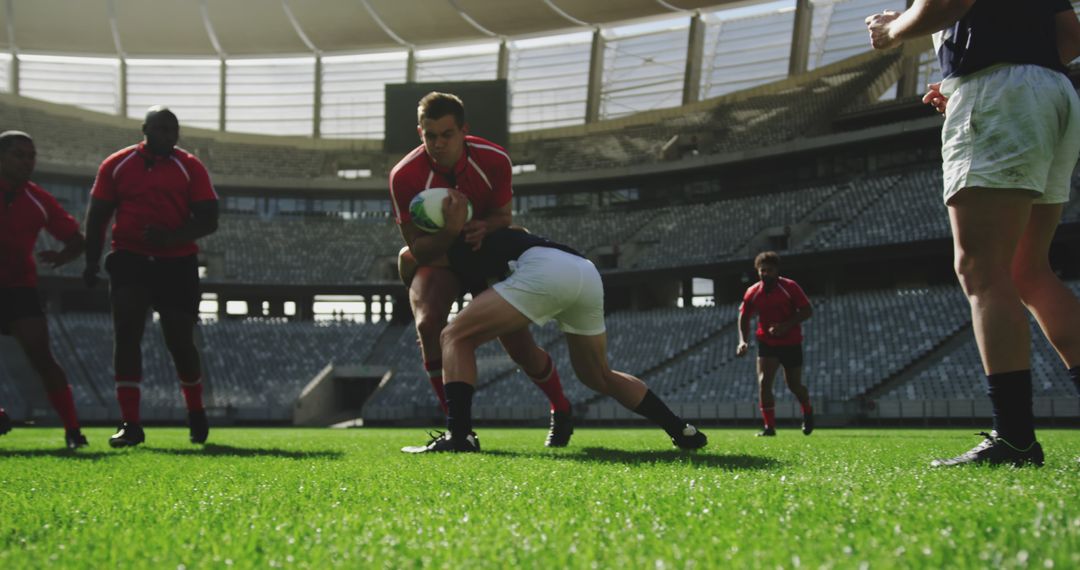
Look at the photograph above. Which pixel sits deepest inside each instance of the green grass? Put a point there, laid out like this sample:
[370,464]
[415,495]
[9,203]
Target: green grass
[616,498]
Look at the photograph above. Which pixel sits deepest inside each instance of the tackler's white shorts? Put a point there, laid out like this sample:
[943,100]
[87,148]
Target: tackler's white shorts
[1011,126]
[547,283]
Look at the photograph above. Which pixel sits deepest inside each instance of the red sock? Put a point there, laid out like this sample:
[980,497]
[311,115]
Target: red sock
[807,409]
[434,371]
[770,417]
[64,404]
[551,386]
[192,394]
[127,395]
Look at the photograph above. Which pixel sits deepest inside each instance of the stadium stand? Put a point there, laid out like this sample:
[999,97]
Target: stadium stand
[957,375]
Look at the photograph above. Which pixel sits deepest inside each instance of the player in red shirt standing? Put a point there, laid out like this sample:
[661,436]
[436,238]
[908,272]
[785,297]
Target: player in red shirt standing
[480,169]
[780,305]
[25,210]
[163,201]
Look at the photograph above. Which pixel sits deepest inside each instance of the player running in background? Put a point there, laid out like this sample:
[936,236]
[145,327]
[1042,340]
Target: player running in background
[1009,146]
[781,306]
[26,209]
[450,158]
[163,201]
[540,280]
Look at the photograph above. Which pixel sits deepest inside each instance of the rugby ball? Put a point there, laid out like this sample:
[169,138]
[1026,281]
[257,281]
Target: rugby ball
[426,209]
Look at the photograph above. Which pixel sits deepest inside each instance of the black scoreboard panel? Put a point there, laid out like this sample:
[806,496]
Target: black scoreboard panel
[487,110]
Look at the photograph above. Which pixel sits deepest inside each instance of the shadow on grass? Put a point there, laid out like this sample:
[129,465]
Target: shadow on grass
[215,450]
[621,456]
[61,452]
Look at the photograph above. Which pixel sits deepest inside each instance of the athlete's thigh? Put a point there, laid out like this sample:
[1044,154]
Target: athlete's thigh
[793,375]
[518,343]
[129,307]
[766,368]
[177,326]
[1034,247]
[432,292]
[487,317]
[588,356]
[32,334]
[987,223]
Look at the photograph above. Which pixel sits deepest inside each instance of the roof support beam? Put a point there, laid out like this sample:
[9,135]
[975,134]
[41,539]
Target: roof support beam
[596,77]
[316,108]
[800,37]
[13,75]
[222,71]
[565,15]
[316,104]
[695,53]
[122,87]
[502,70]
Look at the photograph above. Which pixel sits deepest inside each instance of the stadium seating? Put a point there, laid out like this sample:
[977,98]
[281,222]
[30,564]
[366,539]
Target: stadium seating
[958,374]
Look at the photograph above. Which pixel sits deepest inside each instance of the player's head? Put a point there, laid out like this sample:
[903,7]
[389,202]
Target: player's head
[161,129]
[18,156]
[767,264]
[440,120]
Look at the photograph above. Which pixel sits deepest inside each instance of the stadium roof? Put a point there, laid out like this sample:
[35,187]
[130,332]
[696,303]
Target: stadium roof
[168,28]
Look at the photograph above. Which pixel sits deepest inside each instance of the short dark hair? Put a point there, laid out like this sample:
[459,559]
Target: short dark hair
[436,105]
[767,258]
[8,138]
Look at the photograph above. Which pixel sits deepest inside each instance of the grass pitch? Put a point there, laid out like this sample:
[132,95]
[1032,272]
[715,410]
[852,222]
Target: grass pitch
[616,498]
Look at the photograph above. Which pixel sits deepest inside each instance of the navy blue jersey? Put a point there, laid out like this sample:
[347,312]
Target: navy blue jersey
[492,261]
[1001,31]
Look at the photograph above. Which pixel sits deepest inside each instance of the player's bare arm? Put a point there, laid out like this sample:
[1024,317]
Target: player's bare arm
[1067,28]
[744,333]
[73,248]
[203,222]
[98,215]
[476,230]
[889,29]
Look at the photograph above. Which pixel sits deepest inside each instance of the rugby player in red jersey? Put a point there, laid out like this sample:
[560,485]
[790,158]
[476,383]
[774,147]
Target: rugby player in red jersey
[25,210]
[450,158]
[780,305]
[163,201]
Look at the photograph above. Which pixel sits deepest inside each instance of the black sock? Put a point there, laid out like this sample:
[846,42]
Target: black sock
[658,413]
[1074,373]
[1010,393]
[459,402]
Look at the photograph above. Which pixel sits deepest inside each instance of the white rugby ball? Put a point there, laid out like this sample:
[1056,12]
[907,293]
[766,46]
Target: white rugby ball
[426,209]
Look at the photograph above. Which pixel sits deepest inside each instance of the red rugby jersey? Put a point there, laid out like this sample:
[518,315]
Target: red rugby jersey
[32,210]
[151,190]
[482,174]
[774,307]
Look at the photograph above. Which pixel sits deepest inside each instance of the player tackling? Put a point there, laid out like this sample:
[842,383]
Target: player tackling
[538,281]
[451,158]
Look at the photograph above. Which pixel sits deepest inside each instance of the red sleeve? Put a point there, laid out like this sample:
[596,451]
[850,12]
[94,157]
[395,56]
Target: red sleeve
[747,307]
[400,196]
[105,184]
[61,225]
[202,189]
[798,297]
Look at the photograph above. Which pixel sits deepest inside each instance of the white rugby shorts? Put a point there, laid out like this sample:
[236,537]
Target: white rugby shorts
[1011,126]
[547,283]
